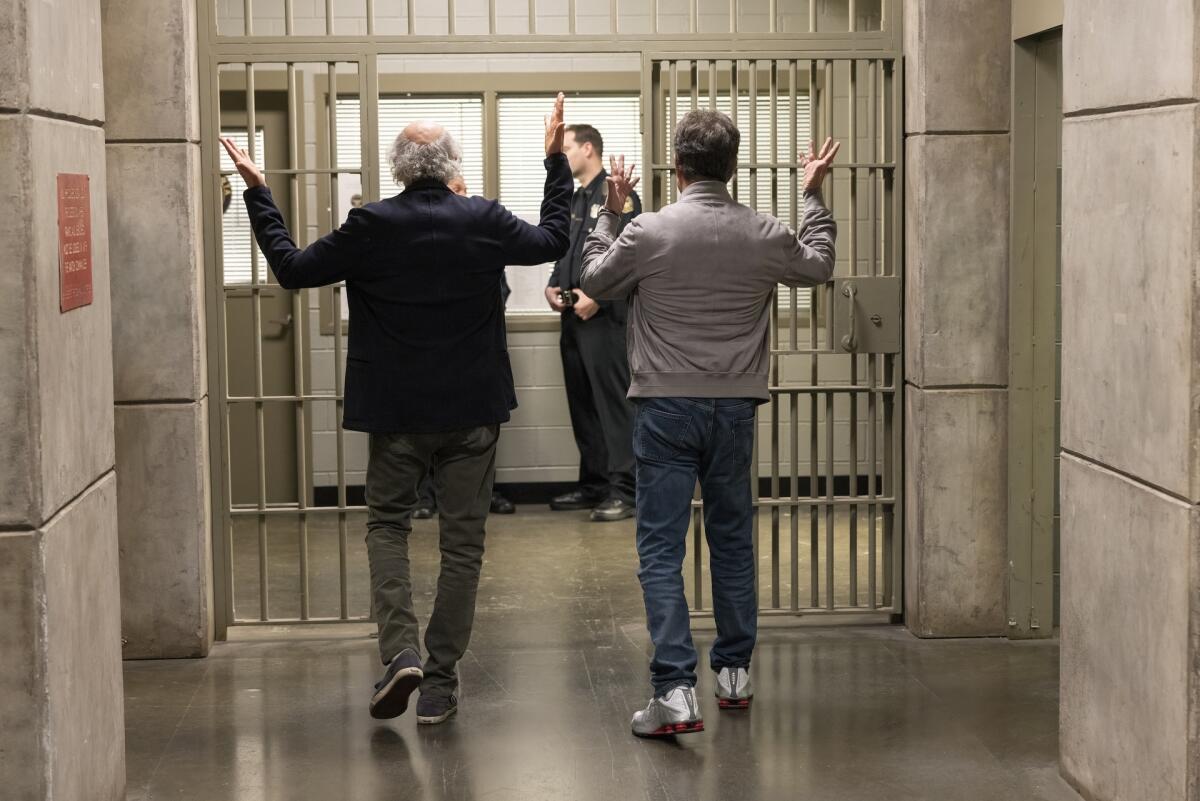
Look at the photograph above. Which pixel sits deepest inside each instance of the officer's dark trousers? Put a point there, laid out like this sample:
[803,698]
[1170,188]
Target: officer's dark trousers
[596,371]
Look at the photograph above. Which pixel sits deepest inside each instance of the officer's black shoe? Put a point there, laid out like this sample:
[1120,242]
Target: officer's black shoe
[502,505]
[612,510]
[423,513]
[574,501]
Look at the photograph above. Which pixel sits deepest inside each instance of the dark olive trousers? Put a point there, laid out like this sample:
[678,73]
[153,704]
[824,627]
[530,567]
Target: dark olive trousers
[464,465]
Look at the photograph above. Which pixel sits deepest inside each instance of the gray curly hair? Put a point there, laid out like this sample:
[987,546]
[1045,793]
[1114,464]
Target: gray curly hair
[412,161]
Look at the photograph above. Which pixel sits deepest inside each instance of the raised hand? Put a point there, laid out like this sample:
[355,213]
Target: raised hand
[555,129]
[621,183]
[817,165]
[246,168]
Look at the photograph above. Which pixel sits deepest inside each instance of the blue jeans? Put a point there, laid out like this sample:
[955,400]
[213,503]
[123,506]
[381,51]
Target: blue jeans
[676,441]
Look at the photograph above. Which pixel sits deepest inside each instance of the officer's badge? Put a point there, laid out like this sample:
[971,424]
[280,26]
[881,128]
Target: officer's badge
[595,210]
[628,205]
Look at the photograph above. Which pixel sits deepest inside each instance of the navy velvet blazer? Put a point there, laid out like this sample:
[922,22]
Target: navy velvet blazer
[427,350]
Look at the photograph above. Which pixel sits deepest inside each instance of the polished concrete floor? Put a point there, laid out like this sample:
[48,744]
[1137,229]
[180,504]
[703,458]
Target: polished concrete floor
[556,667]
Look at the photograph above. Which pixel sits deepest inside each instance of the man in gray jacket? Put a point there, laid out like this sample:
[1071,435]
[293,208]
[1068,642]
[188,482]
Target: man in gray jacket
[701,275]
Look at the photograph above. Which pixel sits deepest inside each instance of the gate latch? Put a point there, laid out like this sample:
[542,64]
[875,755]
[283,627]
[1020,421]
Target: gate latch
[866,316]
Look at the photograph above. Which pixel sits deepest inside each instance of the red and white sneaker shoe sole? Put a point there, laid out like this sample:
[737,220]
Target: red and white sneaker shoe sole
[671,729]
[731,703]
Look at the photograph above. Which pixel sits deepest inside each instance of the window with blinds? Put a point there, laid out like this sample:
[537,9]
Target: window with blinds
[522,178]
[765,193]
[461,116]
[237,237]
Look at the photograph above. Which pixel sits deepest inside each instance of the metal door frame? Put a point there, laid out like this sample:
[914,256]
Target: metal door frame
[365,51]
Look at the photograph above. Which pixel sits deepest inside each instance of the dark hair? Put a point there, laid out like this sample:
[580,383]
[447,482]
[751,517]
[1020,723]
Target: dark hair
[706,146]
[585,133]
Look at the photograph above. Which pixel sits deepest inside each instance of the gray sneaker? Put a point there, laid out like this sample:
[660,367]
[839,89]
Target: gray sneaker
[403,675]
[675,713]
[433,709]
[733,688]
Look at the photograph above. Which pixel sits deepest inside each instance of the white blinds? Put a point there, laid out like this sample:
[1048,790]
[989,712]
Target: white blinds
[461,116]
[237,237]
[522,149]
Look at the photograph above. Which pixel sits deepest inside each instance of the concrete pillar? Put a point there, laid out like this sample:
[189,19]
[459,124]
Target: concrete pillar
[62,734]
[1130,708]
[957,118]
[159,360]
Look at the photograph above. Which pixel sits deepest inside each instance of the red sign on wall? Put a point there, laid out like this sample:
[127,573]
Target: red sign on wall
[74,242]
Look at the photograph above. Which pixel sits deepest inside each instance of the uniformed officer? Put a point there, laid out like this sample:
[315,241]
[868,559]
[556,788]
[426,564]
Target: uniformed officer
[595,367]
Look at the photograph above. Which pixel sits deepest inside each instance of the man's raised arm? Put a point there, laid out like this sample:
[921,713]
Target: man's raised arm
[328,260]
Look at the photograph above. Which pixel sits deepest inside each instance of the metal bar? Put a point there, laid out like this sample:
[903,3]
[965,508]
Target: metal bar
[248,17]
[812,16]
[329,17]
[693,16]
[298,352]
[753,100]
[814,377]
[694,77]
[412,17]
[452,17]
[712,85]
[773,12]
[370,17]
[289,18]
[259,410]
[369,156]
[673,85]
[853,122]
[532,17]
[773,91]
[492,15]
[650,127]
[852,11]
[734,101]
[733,16]
[872,360]
[218,438]
[338,350]
[775,378]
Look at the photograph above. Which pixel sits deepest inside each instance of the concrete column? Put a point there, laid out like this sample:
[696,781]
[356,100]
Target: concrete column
[1130,706]
[159,360]
[62,734]
[957,117]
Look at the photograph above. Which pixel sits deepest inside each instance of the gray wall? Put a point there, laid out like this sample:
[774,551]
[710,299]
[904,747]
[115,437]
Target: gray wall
[159,362]
[1130,421]
[63,734]
[958,61]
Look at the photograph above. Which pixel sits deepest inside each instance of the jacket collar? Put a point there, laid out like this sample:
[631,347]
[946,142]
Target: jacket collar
[426,183]
[705,190]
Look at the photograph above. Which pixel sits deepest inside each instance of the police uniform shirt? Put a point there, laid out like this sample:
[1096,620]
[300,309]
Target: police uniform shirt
[586,204]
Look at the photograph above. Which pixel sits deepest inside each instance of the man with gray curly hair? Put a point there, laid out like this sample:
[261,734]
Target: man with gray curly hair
[427,376]
[425,150]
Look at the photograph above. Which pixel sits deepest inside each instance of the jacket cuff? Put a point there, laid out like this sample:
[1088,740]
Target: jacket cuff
[551,159]
[257,191]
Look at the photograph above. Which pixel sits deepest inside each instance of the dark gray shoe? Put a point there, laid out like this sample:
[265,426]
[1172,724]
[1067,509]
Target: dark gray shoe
[613,510]
[574,501]
[403,676]
[434,709]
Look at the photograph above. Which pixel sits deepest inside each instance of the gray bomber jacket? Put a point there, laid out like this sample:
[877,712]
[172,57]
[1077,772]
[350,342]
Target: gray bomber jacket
[700,275]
